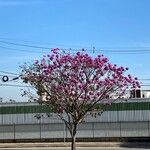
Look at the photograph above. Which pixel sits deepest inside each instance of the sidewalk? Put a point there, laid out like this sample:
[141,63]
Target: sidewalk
[78,144]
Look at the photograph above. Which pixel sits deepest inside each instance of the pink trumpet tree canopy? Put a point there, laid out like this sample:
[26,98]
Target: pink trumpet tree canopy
[68,82]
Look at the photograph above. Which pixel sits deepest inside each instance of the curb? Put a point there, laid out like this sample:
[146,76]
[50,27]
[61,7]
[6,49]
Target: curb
[78,144]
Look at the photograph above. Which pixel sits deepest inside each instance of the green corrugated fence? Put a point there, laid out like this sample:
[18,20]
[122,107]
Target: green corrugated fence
[46,109]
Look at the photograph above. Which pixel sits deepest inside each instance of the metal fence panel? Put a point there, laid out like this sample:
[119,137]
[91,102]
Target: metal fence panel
[27,131]
[134,129]
[106,129]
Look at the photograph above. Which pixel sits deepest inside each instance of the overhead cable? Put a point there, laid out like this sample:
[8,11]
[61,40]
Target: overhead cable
[14,85]
[9,72]
[108,50]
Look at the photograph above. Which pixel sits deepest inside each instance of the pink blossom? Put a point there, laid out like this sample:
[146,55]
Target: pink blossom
[36,61]
[79,77]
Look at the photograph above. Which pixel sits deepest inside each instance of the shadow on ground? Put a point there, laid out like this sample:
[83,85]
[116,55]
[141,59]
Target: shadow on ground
[136,143]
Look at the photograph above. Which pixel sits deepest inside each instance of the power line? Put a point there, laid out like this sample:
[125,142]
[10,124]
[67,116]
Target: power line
[9,72]
[14,85]
[45,43]
[79,46]
[21,50]
[16,75]
[115,51]
[102,51]
[125,51]
[25,45]
[1,75]
[31,46]
[144,79]
[145,85]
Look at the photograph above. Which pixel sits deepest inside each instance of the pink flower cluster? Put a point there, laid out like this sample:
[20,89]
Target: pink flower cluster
[79,78]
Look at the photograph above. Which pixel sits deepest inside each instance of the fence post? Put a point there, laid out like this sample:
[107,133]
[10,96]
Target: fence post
[40,129]
[120,130]
[93,128]
[148,129]
[14,131]
[64,132]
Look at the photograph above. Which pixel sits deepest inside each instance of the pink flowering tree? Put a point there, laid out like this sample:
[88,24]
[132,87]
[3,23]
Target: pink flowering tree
[74,85]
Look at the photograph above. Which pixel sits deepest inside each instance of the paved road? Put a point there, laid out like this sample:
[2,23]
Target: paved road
[67,148]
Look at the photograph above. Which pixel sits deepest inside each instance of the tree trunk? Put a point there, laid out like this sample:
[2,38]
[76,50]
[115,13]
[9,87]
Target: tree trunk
[73,142]
[73,132]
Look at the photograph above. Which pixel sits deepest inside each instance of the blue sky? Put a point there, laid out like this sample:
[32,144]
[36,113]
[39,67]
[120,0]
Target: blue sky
[103,24]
